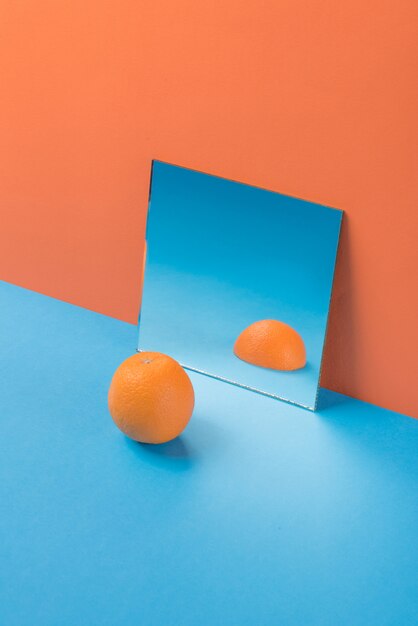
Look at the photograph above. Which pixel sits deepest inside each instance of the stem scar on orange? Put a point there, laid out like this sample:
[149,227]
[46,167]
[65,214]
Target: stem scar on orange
[151,398]
[271,344]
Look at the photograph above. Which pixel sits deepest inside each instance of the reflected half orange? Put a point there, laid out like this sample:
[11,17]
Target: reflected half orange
[271,344]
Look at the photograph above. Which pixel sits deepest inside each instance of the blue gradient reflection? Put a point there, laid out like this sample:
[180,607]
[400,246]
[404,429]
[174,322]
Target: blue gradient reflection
[222,255]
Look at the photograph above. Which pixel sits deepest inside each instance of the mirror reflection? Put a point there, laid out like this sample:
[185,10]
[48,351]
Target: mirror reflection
[238,281]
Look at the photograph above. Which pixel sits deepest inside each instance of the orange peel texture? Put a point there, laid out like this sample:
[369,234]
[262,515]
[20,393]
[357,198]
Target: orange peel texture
[151,398]
[271,344]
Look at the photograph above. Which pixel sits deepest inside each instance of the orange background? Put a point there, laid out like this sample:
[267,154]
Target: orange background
[315,99]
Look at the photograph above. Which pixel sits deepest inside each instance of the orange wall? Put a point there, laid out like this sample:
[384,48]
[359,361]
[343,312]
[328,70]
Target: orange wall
[311,98]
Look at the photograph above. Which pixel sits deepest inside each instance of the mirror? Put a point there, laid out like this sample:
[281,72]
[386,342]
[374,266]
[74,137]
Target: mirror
[222,255]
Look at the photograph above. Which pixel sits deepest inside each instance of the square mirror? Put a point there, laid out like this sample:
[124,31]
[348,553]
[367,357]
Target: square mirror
[238,281]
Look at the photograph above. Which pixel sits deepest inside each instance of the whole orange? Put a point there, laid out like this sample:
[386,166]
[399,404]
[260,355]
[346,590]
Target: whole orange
[151,398]
[271,344]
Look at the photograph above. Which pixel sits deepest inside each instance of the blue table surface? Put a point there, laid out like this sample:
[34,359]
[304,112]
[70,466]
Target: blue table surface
[262,513]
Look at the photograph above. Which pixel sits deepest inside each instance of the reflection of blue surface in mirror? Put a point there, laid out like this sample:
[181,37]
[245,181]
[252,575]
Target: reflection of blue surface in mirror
[222,255]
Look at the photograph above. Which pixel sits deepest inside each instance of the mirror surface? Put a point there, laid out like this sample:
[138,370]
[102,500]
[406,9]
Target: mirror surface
[222,255]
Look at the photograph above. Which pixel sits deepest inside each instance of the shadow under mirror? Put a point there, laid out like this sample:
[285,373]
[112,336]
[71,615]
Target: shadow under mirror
[238,281]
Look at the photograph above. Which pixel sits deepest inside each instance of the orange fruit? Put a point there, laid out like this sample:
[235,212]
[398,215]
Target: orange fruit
[272,344]
[151,398]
